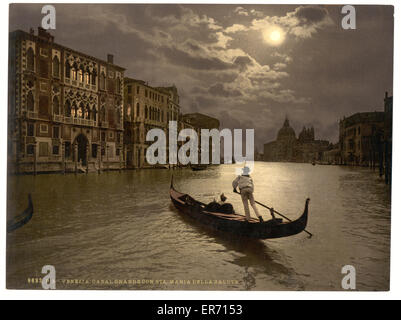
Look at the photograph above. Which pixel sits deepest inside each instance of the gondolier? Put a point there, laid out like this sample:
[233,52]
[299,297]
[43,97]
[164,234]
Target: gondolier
[245,184]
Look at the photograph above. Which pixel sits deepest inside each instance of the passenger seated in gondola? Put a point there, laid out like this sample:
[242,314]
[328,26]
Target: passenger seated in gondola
[225,207]
[220,206]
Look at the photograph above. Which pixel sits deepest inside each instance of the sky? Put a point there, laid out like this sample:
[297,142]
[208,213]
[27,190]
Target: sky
[250,66]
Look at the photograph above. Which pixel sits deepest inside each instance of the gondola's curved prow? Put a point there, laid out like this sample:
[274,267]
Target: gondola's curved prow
[235,223]
[22,219]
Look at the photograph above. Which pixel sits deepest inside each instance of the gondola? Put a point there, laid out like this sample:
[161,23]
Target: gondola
[22,219]
[235,223]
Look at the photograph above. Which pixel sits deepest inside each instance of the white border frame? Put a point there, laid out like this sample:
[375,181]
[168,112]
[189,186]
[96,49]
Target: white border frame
[395,292]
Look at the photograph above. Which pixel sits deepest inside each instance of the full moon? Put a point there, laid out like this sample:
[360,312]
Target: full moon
[274,36]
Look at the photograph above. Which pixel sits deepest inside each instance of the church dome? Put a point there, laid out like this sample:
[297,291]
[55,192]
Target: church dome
[286,132]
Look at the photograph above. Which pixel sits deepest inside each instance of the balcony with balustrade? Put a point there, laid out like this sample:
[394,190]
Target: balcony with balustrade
[73,120]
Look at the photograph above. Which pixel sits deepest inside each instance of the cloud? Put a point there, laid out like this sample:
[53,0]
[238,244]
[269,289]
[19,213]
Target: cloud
[236,28]
[303,22]
[219,90]
[185,59]
[284,57]
[243,62]
[306,20]
[256,13]
[311,14]
[241,11]
[279,66]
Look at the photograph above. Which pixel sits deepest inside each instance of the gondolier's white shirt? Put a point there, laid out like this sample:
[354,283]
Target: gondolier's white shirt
[243,182]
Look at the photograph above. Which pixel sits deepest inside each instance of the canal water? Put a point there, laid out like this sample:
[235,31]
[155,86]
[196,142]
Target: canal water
[120,231]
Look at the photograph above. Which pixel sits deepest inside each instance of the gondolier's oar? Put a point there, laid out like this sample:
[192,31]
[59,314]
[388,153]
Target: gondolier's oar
[281,215]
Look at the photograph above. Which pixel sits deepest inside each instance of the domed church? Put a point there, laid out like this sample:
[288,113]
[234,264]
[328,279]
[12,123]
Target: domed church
[288,148]
[285,142]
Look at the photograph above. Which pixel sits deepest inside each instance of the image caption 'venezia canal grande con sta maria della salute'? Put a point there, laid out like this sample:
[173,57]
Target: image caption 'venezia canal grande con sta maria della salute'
[215,147]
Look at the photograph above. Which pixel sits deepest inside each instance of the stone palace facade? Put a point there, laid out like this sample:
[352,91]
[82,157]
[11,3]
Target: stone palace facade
[65,107]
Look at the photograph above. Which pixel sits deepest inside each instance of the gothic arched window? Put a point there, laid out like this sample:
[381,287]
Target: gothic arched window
[56,106]
[94,113]
[67,70]
[30,101]
[81,110]
[81,74]
[93,77]
[146,112]
[30,60]
[75,72]
[87,112]
[87,76]
[56,67]
[68,108]
[74,110]
[137,109]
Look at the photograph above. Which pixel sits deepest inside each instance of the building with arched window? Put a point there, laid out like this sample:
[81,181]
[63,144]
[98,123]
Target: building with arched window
[62,115]
[150,104]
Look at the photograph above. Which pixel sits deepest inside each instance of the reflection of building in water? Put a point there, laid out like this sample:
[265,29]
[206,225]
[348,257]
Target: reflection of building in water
[65,107]
[361,137]
[287,147]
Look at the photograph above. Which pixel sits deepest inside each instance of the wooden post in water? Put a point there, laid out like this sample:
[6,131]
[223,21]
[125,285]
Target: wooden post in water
[76,157]
[98,157]
[63,156]
[107,156]
[34,158]
[121,160]
[87,157]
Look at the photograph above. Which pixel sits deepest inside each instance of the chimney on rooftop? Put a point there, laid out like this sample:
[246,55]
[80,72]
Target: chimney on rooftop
[110,58]
[45,35]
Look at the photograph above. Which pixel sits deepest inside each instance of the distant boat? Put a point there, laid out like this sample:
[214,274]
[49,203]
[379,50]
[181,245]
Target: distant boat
[22,219]
[235,223]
